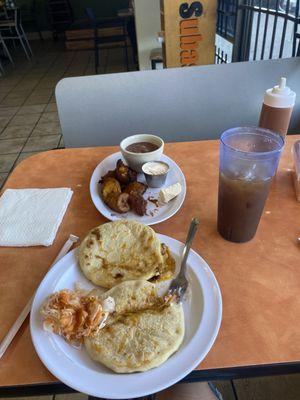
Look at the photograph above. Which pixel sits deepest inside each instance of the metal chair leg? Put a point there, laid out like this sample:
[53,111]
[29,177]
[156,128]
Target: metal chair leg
[126,55]
[40,35]
[125,33]
[6,51]
[26,40]
[96,58]
[23,44]
[1,69]
[11,31]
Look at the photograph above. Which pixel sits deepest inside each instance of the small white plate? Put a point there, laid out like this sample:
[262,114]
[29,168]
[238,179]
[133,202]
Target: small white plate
[203,314]
[155,214]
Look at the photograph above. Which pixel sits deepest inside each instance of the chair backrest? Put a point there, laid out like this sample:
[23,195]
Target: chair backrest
[91,16]
[107,22]
[177,104]
[17,16]
[6,14]
[11,15]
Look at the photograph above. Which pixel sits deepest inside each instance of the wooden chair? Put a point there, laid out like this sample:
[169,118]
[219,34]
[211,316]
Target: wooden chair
[108,41]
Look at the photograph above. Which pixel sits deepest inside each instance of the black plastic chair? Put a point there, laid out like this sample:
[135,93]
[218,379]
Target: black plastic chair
[111,41]
[30,17]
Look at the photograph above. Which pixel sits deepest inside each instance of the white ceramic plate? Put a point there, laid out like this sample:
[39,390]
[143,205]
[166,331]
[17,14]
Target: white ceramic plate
[155,214]
[202,310]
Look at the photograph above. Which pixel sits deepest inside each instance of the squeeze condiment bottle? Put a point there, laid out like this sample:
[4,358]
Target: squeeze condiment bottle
[277,108]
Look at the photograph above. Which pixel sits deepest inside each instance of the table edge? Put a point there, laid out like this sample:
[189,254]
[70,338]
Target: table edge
[250,371]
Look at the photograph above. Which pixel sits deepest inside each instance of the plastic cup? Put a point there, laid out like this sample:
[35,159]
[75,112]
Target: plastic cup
[248,161]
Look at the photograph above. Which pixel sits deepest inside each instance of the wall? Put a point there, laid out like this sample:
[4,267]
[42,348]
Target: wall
[102,8]
[147,21]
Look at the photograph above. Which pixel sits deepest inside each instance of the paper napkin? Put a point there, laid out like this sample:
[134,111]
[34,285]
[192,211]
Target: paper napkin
[31,217]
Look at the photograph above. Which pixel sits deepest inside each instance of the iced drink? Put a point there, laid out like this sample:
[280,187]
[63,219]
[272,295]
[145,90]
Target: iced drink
[248,161]
[241,203]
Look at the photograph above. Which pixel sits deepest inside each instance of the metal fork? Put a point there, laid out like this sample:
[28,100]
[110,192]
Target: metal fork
[180,284]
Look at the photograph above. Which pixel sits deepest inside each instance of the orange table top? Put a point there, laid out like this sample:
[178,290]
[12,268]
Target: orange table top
[259,280]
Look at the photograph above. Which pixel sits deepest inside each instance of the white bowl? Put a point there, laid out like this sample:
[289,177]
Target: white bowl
[136,160]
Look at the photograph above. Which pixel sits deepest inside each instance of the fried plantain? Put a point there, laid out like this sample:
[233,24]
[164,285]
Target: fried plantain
[136,187]
[109,174]
[110,187]
[119,202]
[124,174]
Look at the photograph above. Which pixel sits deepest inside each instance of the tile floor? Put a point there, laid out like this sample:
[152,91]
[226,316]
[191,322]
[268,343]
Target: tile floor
[29,120]
[29,124]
